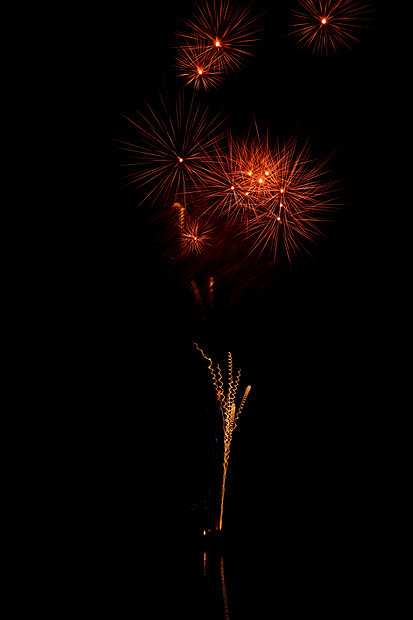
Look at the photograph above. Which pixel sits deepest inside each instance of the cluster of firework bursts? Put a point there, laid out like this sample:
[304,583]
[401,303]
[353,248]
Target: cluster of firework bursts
[212,181]
[215,42]
[218,38]
[218,190]
[272,197]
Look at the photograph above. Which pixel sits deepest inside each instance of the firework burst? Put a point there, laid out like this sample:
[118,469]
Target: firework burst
[196,238]
[327,25]
[270,193]
[301,195]
[242,176]
[169,157]
[216,41]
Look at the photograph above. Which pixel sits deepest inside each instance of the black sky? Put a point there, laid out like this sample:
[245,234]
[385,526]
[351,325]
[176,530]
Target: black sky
[307,343]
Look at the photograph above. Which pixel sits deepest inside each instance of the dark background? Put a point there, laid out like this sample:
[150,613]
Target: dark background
[311,455]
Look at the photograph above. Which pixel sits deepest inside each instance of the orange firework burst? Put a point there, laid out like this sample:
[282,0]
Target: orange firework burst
[216,41]
[241,177]
[196,64]
[269,192]
[173,145]
[196,237]
[301,195]
[324,25]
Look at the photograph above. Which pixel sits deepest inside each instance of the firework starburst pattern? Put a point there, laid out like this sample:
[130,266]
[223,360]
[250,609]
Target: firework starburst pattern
[328,25]
[169,158]
[215,41]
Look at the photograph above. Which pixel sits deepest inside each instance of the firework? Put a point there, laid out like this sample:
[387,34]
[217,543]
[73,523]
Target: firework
[196,237]
[270,193]
[241,177]
[324,25]
[169,157]
[230,412]
[197,65]
[300,198]
[216,41]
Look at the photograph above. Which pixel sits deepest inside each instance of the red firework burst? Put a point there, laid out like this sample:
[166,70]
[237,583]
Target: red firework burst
[270,193]
[217,40]
[302,194]
[324,25]
[173,145]
[241,177]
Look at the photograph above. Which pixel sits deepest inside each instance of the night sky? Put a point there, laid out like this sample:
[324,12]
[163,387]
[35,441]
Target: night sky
[305,335]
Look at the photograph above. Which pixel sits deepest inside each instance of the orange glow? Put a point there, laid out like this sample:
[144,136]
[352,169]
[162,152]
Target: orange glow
[260,180]
[250,174]
[181,160]
[200,71]
[232,187]
[217,43]
[266,173]
[324,21]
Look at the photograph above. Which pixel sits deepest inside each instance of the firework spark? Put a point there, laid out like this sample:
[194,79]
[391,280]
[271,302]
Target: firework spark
[196,237]
[230,412]
[173,145]
[270,193]
[216,41]
[325,25]
[301,196]
[241,177]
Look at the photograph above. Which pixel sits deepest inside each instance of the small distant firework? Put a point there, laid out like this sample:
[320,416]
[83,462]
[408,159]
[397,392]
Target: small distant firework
[172,145]
[327,25]
[230,412]
[216,41]
[196,237]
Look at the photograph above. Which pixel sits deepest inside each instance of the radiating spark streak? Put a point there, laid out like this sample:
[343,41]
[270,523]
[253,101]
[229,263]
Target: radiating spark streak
[217,38]
[195,238]
[173,144]
[298,197]
[270,193]
[327,25]
[229,411]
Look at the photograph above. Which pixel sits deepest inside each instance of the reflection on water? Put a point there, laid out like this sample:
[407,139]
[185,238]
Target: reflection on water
[215,586]
[224,589]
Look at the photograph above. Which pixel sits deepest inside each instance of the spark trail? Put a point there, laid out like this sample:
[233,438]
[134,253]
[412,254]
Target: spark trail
[229,410]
